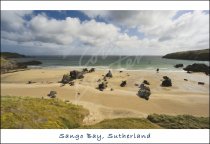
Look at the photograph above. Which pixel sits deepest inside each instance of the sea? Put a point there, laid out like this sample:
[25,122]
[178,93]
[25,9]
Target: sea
[110,62]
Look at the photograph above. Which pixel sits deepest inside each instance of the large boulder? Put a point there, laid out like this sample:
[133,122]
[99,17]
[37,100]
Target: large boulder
[76,74]
[52,94]
[109,74]
[166,82]
[196,67]
[102,86]
[144,92]
[178,65]
[123,83]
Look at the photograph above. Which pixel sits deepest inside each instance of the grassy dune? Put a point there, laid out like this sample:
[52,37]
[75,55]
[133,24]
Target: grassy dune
[19,112]
[36,113]
[180,121]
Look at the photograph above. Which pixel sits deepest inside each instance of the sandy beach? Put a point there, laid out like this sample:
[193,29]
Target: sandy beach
[184,97]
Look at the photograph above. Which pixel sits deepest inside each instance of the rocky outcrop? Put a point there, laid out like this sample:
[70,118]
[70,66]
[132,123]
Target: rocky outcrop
[201,55]
[76,74]
[196,67]
[144,92]
[166,82]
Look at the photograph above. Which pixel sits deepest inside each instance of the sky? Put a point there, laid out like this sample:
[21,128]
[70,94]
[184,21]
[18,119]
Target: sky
[103,32]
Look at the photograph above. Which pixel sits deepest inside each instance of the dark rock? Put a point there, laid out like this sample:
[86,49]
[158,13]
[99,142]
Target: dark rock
[111,89]
[186,79]
[136,84]
[201,83]
[76,74]
[66,79]
[157,70]
[30,82]
[102,86]
[178,65]
[92,70]
[146,82]
[52,94]
[166,82]
[120,71]
[123,83]
[144,92]
[109,74]
[196,67]
[78,93]
[84,70]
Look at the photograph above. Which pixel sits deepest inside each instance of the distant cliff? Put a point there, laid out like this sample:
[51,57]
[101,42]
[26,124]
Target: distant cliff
[11,55]
[8,64]
[200,55]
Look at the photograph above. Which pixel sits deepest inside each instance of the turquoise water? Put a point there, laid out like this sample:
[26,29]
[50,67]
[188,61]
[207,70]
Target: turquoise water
[111,62]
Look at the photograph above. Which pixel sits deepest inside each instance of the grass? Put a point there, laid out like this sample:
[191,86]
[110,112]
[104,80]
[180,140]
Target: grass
[36,113]
[180,121]
[124,123]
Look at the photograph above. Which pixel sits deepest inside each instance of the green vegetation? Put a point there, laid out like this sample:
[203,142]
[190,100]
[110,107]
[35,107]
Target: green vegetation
[180,121]
[25,112]
[11,55]
[201,55]
[3,61]
[37,113]
[124,123]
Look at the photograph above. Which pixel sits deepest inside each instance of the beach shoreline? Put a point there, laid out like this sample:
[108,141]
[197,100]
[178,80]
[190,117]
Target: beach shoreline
[184,97]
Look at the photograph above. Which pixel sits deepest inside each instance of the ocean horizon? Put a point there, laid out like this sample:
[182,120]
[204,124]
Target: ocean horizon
[145,62]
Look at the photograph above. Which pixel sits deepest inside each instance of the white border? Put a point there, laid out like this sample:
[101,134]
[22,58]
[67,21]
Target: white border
[155,136]
[105,5]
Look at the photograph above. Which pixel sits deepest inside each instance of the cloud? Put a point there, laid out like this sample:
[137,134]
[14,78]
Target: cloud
[164,31]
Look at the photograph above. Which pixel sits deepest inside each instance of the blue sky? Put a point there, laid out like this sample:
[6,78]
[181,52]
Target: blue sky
[103,32]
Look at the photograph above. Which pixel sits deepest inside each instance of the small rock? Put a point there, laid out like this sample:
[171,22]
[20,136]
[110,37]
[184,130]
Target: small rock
[52,94]
[146,82]
[186,79]
[178,65]
[102,86]
[201,83]
[92,70]
[123,84]
[109,74]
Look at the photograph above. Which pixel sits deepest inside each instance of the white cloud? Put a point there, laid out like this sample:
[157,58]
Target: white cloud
[163,33]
